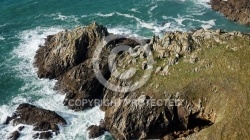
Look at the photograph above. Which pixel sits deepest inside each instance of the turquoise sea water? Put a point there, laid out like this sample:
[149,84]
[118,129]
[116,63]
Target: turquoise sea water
[24,25]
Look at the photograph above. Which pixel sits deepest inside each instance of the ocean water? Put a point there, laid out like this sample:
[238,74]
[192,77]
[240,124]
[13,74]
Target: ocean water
[25,23]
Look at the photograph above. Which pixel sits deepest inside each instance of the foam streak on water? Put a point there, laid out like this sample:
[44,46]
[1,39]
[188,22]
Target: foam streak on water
[39,92]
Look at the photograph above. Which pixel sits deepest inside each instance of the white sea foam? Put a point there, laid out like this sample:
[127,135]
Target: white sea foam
[206,24]
[2,38]
[150,11]
[3,25]
[134,10]
[156,28]
[105,15]
[203,2]
[39,92]
[60,16]
[121,31]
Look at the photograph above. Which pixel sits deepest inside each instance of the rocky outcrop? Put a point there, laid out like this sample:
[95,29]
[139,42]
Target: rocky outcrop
[136,115]
[67,49]
[236,10]
[44,121]
[96,131]
[193,72]
[67,57]
[14,135]
[80,82]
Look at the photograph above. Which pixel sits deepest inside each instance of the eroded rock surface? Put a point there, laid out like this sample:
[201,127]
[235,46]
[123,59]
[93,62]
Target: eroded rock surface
[236,10]
[67,49]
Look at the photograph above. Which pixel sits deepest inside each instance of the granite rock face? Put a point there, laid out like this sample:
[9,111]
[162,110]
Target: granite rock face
[67,57]
[236,10]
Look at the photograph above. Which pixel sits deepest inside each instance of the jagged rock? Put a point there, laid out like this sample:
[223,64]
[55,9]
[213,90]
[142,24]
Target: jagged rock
[29,114]
[95,131]
[44,126]
[67,49]
[236,10]
[158,69]
[144,65]
[14,135]
[143,118]
[80,83]
[168,137]
[67,56]
[20,128]
[193,58]
[175,42]
[165,70]
[43,120]
[43,135]
[7,121]
[132,117]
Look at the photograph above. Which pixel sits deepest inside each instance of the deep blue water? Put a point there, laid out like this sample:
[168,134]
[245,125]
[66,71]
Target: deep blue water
[25,23]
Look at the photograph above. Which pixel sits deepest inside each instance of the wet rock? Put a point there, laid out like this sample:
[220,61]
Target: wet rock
[43,135]
[42,119]
[7,121]
[44,126]
[14,135]
[30,114]
[20,128]
[80,84]
[95,131]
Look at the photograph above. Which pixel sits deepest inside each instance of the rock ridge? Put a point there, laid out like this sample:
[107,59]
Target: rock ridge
[197,67]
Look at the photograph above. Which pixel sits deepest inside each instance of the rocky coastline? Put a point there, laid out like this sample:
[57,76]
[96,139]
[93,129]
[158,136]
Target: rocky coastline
[236,10]
[200,77]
